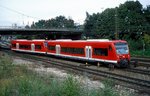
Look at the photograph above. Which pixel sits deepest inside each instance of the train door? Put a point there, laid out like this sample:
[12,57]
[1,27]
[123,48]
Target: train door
[46,44]
[57,49]
[88,52]
[17,45]
[32,47]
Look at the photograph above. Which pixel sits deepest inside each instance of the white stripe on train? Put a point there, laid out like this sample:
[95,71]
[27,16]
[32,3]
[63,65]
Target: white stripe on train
[62,55]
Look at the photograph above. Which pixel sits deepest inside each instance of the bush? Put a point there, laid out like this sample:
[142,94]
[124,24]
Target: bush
[135,45]
[71,87]
[108,90]
[147,41]
[136,48]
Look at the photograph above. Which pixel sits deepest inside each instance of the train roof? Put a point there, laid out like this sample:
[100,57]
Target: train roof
[89,40]
[98,40]
[29,40]
[69,40]
[38,40]
[25,40]
[20,40]
[63,40]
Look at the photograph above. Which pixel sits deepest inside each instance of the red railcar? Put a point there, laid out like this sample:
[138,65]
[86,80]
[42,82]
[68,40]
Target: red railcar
[111,52]
[114,52]
[31,46]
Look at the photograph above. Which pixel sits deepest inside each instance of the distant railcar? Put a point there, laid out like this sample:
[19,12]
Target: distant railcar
[114,52]
[31,46]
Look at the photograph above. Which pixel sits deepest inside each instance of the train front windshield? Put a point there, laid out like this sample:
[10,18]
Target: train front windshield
[122,48]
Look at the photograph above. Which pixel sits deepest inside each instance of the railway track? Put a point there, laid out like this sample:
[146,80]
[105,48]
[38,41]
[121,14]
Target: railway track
[135,70]
[143,85]
[142,61]
[140,71]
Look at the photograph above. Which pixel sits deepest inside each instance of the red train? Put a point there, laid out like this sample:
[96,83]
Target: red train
[114,52]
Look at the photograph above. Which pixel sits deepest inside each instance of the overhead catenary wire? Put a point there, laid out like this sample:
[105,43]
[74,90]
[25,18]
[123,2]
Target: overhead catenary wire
[20,13]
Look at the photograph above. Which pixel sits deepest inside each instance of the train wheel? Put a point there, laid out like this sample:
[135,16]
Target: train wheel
[111,67]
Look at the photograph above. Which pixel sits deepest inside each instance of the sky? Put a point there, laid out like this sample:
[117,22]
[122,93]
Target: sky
[24,12]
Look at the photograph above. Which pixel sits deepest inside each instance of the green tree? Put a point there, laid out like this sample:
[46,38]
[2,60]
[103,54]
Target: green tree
[147,13]
[90,23]
[131,19]
[58,22]
[147,16]
[128,21]
[40,24]
[101,25]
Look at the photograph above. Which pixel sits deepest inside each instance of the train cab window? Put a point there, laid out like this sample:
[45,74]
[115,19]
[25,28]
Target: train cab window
[101,51]
[25,47]
[52,48]
[38,47]
[122,48]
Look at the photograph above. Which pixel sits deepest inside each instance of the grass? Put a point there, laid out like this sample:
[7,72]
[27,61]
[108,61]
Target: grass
[145,53]
[17,80]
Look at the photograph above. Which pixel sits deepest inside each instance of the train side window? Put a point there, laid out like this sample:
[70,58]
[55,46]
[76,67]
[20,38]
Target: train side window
[38,47]
[14,45]
[52,48]
[72,50]
[101,51]
[24,47]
